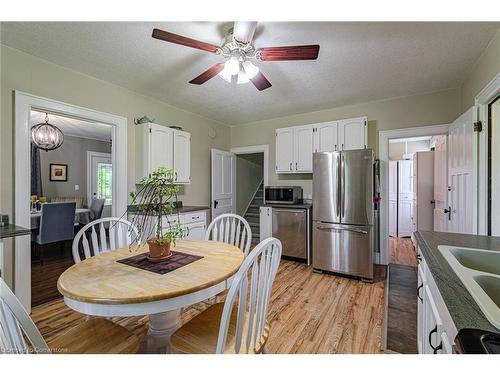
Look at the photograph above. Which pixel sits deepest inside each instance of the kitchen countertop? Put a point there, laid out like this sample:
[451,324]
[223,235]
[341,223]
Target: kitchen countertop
[183,209]
[292,206]
[462,307]
[11,230]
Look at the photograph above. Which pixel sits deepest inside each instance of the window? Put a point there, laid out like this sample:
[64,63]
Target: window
[105,182]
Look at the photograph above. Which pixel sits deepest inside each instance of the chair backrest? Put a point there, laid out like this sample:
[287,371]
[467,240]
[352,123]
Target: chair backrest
[57,222]
[121,233]
[253,297]
[80,201]
[231,229]
[96,208]
[14,321]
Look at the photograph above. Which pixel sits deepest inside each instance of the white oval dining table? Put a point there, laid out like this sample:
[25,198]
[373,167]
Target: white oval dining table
[100,286]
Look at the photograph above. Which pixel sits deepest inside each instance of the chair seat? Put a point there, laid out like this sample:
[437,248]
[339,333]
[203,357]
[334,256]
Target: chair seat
[199,335]
[96,336]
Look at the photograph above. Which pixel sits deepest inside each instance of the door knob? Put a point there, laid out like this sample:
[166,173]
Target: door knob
[216,203]
[433,202]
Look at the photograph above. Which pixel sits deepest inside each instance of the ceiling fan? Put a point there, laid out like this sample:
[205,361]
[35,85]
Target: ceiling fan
[239,52]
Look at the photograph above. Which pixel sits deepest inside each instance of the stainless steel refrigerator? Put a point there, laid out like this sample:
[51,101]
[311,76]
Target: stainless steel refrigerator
[343,234]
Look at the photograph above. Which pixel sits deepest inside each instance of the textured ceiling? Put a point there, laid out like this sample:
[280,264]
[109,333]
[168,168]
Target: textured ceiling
[74,127]
[357,62]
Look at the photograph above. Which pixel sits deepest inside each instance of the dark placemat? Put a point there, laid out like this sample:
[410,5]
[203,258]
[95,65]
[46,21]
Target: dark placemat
[177,260]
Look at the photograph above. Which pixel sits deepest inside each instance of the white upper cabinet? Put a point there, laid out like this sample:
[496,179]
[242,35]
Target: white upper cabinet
[352,133]
[182,156]
[284,150]
[296,145]
[326,136]
[159,146]
[303,142]
[161,138]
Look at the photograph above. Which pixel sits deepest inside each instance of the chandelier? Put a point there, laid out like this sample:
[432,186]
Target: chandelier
[46,136]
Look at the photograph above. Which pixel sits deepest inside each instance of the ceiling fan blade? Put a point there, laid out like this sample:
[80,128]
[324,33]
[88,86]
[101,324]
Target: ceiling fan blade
[207,74]
[260,81]
[307,52]
[182,40]
[243,31]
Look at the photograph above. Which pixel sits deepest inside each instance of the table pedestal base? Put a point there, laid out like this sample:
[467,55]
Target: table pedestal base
[161,327]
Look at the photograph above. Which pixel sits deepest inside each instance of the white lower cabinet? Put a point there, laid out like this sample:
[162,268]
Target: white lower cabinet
[193,223]
[266,222]
[194,231]
[435,328]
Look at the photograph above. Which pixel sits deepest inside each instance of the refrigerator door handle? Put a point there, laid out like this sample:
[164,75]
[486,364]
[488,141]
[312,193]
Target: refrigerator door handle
[340,229]
[342,185]
[337,156]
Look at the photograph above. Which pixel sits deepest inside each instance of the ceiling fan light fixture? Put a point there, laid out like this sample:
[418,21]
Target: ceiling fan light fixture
[250,69]
[242,78]
[225,75]
[232,65]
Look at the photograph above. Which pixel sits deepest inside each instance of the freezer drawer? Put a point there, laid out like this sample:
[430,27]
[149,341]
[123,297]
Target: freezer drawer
[291,227]
[346,249]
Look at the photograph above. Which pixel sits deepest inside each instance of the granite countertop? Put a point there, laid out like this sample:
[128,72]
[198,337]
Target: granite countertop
[291,206]
[11,230]
[181,210]
[462,307]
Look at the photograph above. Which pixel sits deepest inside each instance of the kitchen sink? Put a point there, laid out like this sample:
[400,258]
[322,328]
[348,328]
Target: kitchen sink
[479,271]
[484,261]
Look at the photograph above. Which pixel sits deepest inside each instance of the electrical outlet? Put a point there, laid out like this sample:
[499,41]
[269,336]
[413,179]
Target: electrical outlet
[77,187]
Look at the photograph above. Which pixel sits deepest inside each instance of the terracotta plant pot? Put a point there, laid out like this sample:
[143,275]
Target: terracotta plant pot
[157,251]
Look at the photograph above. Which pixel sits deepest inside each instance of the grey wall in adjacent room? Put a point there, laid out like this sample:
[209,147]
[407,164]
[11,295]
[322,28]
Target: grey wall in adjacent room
[249,174]
[73,152]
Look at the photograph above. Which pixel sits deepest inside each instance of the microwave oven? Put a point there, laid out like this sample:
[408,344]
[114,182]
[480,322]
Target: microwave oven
[282,195]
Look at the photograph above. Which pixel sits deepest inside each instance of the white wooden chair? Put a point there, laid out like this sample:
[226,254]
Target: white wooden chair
[121,233]
[239,327]
[231,229]
[93,336]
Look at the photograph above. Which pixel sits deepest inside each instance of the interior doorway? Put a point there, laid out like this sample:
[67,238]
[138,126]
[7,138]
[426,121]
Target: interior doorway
[411,165]
[115,126]
[78,172]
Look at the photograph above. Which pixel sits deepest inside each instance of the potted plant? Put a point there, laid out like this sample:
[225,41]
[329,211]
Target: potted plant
[157,197]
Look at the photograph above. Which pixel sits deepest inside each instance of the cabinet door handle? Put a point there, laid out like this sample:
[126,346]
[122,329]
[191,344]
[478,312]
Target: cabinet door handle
[418,292]
[175,176]
[296,166]
[290,165]
[335,147]
[342,146]
[434,349]
[419,258]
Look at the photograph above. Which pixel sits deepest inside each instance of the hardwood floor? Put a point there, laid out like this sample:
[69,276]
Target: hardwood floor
[402,251]
[44,277]
[308,313]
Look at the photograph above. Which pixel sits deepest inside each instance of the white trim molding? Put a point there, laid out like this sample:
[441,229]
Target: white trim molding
[23,103]
[384,137]
[255,150]
[482,100]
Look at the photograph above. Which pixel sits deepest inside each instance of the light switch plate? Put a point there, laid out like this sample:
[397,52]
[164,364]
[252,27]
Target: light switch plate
[77,187]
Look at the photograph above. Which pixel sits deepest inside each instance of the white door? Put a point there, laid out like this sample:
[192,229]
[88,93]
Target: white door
[405,225]
[393,218]
[182,156]
[161,140]
[440,184]
[393,180]
[99,177]
[284,150]
[303,142]
[352,133]
[223,182]
[462,187]
[326,136]
[266,222]
[405,179]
